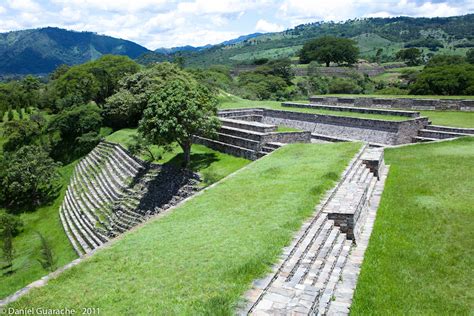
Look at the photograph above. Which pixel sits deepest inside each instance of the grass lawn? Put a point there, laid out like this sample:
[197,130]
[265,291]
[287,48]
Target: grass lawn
[420,256]
[284,128]
[233,102]
[451,118]
[210,164]
[201,258]
[27,245]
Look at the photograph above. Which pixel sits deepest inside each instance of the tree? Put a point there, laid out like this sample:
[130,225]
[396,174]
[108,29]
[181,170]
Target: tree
[125,107]
[20,133]
[178,111]
[10,226]
[470,56]
[29,178]
[412,56]
[47,258]
[73,130]
[10,115]
[329,49]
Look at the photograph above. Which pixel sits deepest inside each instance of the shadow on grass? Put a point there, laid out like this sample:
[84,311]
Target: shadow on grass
[198,162]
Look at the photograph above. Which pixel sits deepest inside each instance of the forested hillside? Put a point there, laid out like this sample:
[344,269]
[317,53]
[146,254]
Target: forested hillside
[40,51]
[452,35]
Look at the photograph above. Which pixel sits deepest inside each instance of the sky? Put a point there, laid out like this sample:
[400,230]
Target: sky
[161,23]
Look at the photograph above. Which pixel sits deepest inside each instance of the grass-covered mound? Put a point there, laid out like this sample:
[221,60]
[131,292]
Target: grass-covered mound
[27,245]
[211,165]
[420,255]
[201,257]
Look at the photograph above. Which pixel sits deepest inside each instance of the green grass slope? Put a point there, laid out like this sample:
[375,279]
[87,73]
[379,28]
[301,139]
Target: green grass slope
[27,245]
[420,256]
[203,256]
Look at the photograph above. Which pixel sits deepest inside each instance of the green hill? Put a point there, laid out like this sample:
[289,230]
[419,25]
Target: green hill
[451,35]
[40,51]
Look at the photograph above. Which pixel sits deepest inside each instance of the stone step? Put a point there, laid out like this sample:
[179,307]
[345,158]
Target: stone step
[328,138]
[77,248]
[226,148]
[419,139]
[82,224]
[439,134]
[238,141]
[249,125]
[326,292]
[118,164]
[450,129]
[274,145]
[78,236]
[312,233]
[124,154]
[240,112]
[241,133]
[313,251]
[249,117]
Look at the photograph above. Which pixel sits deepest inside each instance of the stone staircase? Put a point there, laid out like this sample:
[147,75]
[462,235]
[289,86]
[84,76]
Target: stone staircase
[242,138]
[305,279]
[243,134]
[434,132]
[105,196]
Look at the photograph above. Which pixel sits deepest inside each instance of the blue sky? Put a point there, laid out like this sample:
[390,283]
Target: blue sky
[160,23]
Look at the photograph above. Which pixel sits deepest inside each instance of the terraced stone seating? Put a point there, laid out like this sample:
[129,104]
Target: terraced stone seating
[434,132]
[310,268]
[243,134]
[105,196]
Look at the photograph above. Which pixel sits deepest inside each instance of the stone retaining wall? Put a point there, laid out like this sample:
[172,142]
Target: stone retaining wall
[369,130]
[397,103]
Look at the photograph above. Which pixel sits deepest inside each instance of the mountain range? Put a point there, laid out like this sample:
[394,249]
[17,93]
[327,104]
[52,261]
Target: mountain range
[39,51]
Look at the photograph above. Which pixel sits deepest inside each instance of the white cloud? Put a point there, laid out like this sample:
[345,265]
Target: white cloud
[265,26]
[113,5]
[24,5]
[2,10]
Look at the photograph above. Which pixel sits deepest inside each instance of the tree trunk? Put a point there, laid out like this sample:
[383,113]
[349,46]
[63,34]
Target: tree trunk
[327,63]
[186,146]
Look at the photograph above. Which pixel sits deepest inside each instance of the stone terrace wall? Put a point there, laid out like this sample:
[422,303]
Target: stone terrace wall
[373,131]
[397,103]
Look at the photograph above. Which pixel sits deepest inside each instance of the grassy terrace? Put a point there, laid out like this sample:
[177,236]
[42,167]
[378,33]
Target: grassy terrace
[420,255]
[210,164]
[446,118]
[395,96]
[200,258]
[235,102]
[46,221]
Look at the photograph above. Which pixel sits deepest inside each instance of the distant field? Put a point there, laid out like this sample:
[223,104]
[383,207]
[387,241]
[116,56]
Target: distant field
[420,256]
[201,258]
[272,53]
[210,164]
[27,245]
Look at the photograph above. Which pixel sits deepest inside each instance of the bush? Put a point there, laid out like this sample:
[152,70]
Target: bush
[29,178]
[344,85]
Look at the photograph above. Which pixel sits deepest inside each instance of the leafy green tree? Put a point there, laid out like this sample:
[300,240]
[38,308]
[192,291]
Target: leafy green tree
[29,178]
[75,131]
[445,79]
[124,108]
[412,56]
[329,49]
[21,133]
[279,68]
[179,60]
[47,258]
[92,81]
[178,111]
